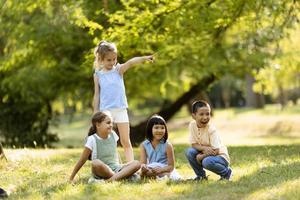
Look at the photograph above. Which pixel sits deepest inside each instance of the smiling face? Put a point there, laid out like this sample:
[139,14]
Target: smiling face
[202,116]
[158,131]
[109,60]
[105,127]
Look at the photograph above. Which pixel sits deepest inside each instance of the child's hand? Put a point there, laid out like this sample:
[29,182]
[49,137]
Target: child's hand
[208,151]
[216,151]
[157,170]
[149,58]
[150,172]
[200,157]
[144,168]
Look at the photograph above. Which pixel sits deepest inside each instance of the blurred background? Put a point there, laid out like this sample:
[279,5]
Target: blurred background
[243,57]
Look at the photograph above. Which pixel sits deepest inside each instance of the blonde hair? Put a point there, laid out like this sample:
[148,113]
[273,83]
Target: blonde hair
[101,50]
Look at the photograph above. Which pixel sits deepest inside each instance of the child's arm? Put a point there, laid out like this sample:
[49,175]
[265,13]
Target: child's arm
[133,61]
[171,161]
[143,155]
[96,100]
[83,158]
[145,171]
[205,149]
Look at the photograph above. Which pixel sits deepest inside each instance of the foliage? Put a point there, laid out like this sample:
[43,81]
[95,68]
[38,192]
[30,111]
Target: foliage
[39,62]
[282,73]
[46,50]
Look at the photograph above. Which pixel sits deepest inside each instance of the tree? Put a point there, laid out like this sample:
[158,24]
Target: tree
[53,41]
[195,40]
[39,63]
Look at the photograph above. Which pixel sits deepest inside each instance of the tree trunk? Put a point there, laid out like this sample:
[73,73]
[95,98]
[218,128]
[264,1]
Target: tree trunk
[253,100]
[2,155]
[105,5]
[137,133]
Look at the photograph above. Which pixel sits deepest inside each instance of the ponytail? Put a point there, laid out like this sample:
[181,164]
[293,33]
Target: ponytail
[92,130]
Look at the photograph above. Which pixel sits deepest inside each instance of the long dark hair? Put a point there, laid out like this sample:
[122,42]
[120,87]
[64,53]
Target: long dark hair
[155,120]
[98,117]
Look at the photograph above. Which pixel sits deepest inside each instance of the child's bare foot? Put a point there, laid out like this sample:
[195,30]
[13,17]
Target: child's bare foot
[144,170]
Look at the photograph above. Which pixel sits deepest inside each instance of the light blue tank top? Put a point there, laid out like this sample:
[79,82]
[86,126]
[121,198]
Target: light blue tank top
[156,155]
[112,89]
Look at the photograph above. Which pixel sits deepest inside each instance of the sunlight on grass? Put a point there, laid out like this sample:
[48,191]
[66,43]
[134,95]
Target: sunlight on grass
[280,191]
[263,147]
[257,169]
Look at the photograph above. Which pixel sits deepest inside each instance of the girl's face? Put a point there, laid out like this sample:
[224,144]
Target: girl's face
[105,127]
[202,116]
[109,60]
[158,131]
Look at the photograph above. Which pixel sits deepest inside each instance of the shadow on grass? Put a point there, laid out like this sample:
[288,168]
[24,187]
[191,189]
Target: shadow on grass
[261,180]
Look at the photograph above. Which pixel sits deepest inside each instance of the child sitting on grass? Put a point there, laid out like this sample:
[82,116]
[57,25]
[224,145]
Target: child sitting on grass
[102,146]
[156,153]
[207,151]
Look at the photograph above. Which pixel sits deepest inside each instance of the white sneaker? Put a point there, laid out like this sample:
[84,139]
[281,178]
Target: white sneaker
[134,177]
[165,177]
[94,180]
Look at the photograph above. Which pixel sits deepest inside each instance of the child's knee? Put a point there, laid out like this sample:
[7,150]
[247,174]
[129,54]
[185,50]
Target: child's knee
[136,164]
[208,163]
[190,152]
[97,164]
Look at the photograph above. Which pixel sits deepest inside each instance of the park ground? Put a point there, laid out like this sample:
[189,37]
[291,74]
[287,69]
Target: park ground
[264,146]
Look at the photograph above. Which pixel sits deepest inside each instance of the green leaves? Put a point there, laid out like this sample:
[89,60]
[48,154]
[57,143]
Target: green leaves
[46,50]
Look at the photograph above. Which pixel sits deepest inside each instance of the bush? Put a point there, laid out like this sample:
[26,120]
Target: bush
[25,124]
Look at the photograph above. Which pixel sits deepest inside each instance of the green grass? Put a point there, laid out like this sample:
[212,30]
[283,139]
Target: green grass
[260,172]
[264,146]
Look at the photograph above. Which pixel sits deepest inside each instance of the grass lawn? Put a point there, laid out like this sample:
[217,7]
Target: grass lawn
[264,149]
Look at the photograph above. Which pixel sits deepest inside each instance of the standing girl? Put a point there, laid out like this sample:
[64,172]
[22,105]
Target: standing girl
[101,145]
[156,153]
[109,89]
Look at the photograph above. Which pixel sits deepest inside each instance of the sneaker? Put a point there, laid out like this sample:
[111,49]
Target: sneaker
[3,194]
[134,178]
[95,180]
[201,178]
[162,178]
[228,176]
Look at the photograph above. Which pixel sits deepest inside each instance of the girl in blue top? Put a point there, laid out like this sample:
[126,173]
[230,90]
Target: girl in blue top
[109,89]
[156,153]
[101,147]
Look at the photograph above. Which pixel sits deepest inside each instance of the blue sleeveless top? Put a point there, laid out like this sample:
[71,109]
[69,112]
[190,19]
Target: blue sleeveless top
[158,154]
[112,89]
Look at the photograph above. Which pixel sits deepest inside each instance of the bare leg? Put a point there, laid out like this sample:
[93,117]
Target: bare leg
[101,169]
[123,129]
[128,170]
